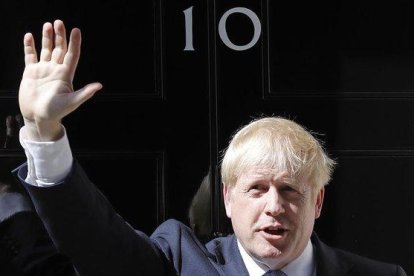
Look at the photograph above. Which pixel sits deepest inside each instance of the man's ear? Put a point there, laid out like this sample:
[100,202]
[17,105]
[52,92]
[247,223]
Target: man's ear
[319,202]
[227,199]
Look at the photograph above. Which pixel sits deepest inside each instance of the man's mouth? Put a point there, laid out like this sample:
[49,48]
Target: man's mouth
[279,231]
[274,231]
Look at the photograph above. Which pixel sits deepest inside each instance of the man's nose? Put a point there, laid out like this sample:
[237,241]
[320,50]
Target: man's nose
[274,203]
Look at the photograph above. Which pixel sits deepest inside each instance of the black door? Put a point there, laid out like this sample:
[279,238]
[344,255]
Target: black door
[181,76]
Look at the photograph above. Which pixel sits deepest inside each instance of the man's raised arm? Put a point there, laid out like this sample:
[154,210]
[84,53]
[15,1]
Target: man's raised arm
[81,222]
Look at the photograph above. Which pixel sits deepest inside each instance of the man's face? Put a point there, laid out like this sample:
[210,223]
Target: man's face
[272,215]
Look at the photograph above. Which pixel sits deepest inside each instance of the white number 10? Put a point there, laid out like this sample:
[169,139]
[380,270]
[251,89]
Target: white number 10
[188,13]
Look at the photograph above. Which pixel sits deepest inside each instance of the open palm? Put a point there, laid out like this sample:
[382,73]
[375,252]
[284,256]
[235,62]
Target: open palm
[46,92]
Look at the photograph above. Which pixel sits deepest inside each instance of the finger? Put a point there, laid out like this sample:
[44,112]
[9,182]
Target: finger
[59,51]
[72,56]
[47,42]
[30,55]
[82,95]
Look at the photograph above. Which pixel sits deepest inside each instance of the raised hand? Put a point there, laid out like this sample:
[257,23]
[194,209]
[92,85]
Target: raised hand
[46,92]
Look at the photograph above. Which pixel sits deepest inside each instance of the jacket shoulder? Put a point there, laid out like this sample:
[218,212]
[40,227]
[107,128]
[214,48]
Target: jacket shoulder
[330,260]
[368,266]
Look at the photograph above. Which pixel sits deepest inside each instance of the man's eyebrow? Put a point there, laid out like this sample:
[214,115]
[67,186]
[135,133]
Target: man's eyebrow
[258,176]
[270,175]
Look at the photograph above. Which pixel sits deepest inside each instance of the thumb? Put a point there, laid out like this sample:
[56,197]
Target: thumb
[82,95]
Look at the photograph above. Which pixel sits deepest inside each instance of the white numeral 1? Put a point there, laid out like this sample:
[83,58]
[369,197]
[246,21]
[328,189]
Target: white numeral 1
[188,29]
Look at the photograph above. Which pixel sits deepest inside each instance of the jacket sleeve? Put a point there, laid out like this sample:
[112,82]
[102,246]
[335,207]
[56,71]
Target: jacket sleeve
[84,226]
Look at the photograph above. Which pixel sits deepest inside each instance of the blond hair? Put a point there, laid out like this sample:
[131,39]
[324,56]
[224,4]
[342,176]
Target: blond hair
[280,144]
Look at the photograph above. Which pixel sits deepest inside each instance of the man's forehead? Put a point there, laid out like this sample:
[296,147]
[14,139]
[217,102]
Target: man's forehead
[267,173]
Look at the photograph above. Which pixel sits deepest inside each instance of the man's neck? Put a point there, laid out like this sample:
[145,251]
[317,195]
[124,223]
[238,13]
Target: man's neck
[302,265]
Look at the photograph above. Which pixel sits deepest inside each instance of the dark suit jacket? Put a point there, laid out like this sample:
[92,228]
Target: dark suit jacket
[25,246]
[84,226]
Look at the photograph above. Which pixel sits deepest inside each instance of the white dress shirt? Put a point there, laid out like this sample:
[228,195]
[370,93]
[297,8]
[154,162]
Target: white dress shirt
[304,265]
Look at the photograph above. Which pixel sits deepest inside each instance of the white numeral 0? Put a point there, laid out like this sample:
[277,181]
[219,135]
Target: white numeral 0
[223,32]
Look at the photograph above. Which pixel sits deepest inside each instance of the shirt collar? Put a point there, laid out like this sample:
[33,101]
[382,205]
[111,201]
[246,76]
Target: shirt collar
[302,265]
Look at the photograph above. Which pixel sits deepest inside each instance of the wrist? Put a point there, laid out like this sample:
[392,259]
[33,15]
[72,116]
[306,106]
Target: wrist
[43,131]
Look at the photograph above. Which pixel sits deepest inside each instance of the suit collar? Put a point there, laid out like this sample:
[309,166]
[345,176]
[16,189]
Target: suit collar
[227,255]
[237,259]
[327,260]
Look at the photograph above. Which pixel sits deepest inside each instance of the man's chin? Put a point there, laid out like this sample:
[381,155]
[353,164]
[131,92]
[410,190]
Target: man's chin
[273,259]
[272,250]
[269,251]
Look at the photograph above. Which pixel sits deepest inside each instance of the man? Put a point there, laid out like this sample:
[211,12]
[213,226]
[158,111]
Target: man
[274,173]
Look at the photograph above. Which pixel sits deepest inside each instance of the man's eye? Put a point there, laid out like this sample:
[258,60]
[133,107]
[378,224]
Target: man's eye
[288,189]
[258,187]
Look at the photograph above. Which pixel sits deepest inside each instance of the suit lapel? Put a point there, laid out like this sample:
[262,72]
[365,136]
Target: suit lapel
[327,261]
[228,256]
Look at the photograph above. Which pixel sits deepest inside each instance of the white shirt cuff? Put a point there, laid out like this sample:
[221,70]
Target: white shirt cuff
[48,162]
